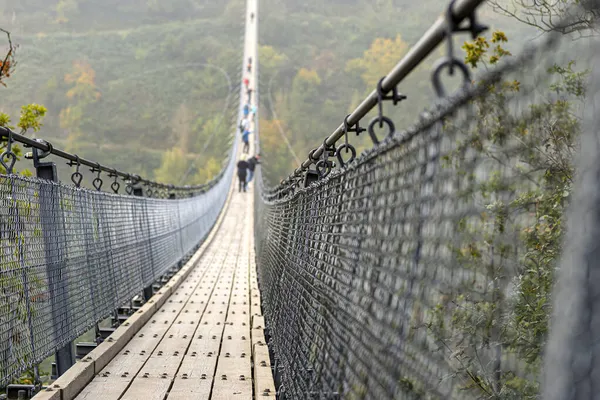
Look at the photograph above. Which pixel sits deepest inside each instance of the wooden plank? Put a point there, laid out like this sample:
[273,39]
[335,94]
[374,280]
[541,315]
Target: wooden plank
[236,348]
[232,389]
[110,389]
[75,379]
[161,366]
[264,384]
[201,366]
[187,389]
[233,379]
[147,389]
[258,322]
[124,366]
[48,394]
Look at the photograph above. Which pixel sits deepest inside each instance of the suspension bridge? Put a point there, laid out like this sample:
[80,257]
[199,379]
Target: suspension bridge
[424,268]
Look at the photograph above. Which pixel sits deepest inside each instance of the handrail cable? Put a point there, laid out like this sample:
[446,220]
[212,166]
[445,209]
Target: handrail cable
[48,148]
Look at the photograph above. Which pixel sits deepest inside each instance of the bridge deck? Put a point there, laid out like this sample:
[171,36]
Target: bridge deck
[203,341]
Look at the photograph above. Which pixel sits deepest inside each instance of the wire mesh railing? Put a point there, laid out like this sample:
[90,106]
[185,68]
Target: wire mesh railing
[70,256]
[425,267]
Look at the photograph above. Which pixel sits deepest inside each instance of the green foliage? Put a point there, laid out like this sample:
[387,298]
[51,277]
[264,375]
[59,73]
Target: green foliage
[112,90]
[512,316]
[30,119]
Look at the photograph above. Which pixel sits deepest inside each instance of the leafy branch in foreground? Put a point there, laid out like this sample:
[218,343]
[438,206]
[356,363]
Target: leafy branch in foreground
[492,328]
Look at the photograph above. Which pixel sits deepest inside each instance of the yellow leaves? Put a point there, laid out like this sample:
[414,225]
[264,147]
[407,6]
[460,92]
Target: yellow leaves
[31,117]
[270,58]
[478,48]
[309,76]
[379,59]
[83,77]
[173,166]
[499,36]
[5,120]
[475,50]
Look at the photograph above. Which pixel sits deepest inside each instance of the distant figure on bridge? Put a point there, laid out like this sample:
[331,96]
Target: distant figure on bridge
[246,82]
[242,168]
[246,110]
[244,123]
[253,111]
[249,92]
[249,67]
[252,17]
[249,60]
[246,141]
[252,161]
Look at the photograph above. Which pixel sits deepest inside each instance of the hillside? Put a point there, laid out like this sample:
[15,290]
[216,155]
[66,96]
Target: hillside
[124,93]
[125,81]
[319,60]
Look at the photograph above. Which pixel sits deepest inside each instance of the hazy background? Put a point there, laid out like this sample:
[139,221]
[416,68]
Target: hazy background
[126,82]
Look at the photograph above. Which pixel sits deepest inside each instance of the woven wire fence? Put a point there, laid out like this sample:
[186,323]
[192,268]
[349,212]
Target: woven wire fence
[69,257]
[425,268]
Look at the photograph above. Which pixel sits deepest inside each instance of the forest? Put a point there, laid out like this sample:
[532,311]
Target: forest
[142,84]
[138,85]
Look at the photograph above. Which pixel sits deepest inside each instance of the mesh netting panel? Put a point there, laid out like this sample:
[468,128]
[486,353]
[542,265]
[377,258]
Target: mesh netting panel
[424,269]
[69,257]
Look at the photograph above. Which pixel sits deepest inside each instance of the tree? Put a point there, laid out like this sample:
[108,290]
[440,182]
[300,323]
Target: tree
[378,60]
[17,302]
[7,63]
[31,115]
[564,16]
[277,161]
[305,91]
[174,164]
[66,9]
[181,126]
[270,60]
[82,93]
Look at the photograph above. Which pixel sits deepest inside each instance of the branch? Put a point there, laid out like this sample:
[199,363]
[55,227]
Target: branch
[550,16]
[7,65]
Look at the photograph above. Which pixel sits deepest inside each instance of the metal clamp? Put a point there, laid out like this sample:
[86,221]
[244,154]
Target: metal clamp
[36,155]
[450,61]
[97,182]
[324,166]
[76,177]
[355,128]
[381,97]
[347,146]
[115,185]
[8,158]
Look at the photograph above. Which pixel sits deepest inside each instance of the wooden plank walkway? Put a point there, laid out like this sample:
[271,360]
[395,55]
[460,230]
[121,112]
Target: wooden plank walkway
[203,341]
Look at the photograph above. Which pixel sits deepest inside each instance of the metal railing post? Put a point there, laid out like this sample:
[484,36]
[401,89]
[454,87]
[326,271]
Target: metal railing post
[148,291]
[50,216]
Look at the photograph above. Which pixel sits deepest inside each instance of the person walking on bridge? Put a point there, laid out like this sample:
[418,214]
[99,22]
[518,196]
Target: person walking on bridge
[244,124]
[246,110]
[242,168]
[252,161]
[246,141]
